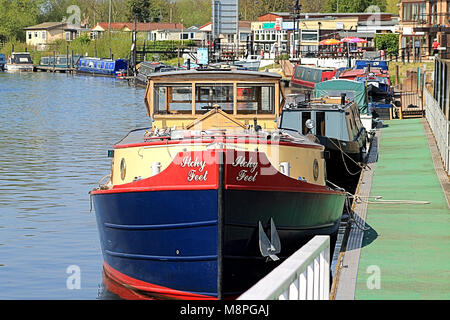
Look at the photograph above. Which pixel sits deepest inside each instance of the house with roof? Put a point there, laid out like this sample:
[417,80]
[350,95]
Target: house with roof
[42,34]
[143,29]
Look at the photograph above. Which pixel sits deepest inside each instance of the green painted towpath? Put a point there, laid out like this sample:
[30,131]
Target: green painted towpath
[406,252]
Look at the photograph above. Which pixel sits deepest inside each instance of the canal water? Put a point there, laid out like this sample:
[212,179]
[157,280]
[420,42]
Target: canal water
[55,132]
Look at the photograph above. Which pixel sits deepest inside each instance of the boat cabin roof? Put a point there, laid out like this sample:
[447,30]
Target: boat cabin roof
[327,103]
[352,73]
[216,75]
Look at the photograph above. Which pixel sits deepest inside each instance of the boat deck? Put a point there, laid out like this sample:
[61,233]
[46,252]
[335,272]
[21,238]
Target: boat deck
[402,250]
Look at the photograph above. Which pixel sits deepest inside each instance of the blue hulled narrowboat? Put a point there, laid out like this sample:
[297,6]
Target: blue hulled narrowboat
[2,61]
[103,67]
[213,196]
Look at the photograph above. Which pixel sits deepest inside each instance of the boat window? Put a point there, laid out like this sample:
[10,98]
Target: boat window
[255,98]
[320,123]
[207,95]
[305,117]
[317,75]
[22,58]
[103,65]
[172,98]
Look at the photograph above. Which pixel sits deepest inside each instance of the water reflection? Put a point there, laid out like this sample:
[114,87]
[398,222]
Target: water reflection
[55,131]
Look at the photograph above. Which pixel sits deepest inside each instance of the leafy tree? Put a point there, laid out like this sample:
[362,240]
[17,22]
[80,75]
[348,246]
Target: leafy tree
[16,15]
[387,42]
[353,5]
[147,10]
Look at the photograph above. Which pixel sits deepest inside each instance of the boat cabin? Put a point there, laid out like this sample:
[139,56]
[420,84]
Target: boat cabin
[352,74]
[331,118]
[20,58]
[102,66]
[307,76]
[59,61]
[227,98]
[381,64]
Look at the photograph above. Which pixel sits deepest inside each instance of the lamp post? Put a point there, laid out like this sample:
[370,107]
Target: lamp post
[297,9]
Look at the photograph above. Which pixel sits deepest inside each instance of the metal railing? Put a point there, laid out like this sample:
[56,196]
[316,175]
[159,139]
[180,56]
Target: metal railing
[440,127]
[305,275]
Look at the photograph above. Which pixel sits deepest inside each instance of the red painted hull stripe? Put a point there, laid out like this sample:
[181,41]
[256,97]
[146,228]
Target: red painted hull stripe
[151,288]
[156,188]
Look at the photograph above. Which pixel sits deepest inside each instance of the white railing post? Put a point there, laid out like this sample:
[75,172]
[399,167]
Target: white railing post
[305,275]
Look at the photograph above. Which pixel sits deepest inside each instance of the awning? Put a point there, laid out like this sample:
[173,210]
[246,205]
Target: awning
[344,34]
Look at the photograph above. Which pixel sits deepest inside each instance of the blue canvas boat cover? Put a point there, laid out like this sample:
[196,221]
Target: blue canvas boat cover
[354,90]
[361,64]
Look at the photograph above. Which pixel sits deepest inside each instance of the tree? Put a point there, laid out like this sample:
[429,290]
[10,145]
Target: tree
[353,5]
[15,15]
[387,42]
[147,10]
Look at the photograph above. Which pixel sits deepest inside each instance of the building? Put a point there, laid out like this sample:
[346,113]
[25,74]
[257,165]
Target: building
[41,35]
[192,33]
[141,28]
[277,31]
[420,23]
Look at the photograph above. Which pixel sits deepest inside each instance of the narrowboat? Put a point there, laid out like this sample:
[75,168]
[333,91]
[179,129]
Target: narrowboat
[352,74]
[375,75]
[2,61]
[102,67]
[59,61]
[354,90]
[308,76]
[251,63]
[380,94]
[19,62]
[212,196]
[145,69]
[337,126]
[380,64]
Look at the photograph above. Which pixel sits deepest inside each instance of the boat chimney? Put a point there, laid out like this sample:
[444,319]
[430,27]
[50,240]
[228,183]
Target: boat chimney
[255,125]
[343,99]
[308,96]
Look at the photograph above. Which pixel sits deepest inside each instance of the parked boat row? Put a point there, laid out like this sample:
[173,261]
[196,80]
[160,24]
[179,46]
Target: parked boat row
[374,74]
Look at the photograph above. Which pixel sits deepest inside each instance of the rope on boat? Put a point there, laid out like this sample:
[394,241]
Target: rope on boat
[345,163]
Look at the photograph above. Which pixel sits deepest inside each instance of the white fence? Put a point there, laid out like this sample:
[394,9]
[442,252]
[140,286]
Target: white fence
[327,62]
[440,127]
[303,276]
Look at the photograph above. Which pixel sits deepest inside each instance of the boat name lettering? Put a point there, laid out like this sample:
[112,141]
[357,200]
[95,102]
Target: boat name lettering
[192,176]
[241,162]
[187,162]
[244,176]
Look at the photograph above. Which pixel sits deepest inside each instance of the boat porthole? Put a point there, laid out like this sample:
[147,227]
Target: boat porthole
[123,169]
[315,169]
